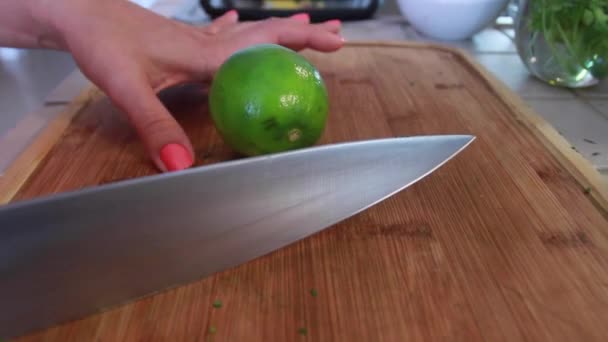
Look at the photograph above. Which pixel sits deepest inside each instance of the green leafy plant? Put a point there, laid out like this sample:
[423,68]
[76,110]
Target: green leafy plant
[580,27]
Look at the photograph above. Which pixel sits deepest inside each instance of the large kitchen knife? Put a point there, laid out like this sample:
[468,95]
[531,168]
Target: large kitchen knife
[72,254]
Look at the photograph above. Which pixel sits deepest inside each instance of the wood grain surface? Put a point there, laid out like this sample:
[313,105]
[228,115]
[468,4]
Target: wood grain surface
[506,242]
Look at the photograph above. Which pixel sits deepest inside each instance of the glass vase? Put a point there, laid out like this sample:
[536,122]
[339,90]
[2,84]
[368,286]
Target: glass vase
[563,43]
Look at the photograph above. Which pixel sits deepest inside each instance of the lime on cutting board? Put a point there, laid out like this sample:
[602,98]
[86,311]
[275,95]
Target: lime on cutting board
[267,99]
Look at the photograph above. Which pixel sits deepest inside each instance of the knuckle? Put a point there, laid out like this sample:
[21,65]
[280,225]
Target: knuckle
[271,21]
[116,85]
[156,125]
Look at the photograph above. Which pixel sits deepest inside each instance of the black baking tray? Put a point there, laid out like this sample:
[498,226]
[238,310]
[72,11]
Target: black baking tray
[318,10]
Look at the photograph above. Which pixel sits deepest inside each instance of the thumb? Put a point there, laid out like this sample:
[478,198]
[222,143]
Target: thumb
[164,139]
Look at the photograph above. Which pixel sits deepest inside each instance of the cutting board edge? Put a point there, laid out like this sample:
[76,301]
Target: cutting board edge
[28,160]
[580,168]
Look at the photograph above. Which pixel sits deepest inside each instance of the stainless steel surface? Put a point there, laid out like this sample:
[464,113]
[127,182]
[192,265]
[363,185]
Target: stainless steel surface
[75,253]
[26,78]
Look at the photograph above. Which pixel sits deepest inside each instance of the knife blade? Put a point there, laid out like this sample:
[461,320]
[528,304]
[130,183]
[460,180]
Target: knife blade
[72,254]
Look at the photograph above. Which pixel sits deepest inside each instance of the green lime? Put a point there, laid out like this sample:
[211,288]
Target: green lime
[267,99]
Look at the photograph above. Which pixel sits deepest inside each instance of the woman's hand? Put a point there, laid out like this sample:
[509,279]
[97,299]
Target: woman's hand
[131,53]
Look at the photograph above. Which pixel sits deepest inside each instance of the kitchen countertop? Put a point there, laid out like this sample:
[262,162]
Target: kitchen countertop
[37,85]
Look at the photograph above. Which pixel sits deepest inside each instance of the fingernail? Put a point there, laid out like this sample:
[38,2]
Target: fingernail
[232,11]
[175,157]
[301,16]
[335,22]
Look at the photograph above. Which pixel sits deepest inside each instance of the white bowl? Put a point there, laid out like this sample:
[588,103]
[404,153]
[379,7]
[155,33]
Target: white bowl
[451,19]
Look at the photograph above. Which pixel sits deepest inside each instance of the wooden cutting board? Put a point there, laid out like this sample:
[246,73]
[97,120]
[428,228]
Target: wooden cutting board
[506,242]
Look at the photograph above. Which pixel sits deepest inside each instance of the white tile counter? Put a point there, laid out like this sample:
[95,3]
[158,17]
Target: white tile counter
[580,115]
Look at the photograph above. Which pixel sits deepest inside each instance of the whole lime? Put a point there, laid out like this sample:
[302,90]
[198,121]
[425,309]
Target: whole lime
[267,98]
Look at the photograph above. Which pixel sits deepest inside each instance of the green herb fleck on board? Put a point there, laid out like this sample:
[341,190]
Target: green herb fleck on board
[314,292]
[212,330]
[217,304]
[587,190]
[303,331]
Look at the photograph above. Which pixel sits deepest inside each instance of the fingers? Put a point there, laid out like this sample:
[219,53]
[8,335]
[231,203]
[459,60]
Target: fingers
[330,25]
[165,141]
[333,26]
[322,37]
[297,33]
[301,17]
[228,19]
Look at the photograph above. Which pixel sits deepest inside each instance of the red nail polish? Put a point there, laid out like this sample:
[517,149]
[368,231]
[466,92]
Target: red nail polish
[175,157]
[301,16]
